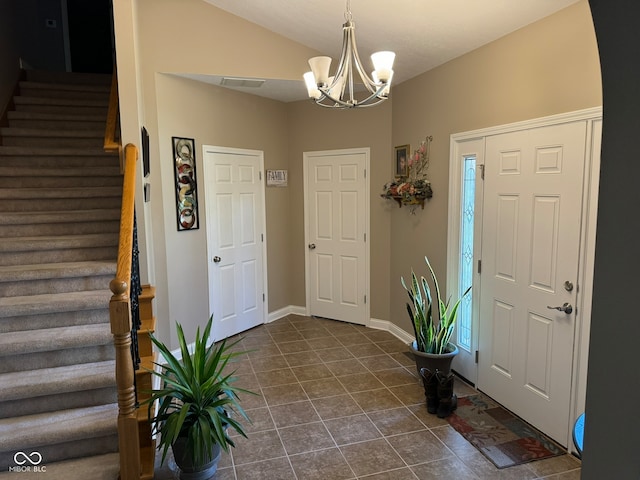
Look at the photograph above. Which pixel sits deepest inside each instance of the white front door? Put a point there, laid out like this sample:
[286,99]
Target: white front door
[235,239]
[336,225]
[530,251]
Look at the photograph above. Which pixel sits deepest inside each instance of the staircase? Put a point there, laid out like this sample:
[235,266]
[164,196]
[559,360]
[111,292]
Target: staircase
[60,196]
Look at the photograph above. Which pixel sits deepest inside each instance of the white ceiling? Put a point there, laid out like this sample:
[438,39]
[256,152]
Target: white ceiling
[423,33]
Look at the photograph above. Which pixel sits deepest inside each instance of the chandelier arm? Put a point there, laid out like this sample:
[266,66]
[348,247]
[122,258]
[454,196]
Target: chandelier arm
[366,80]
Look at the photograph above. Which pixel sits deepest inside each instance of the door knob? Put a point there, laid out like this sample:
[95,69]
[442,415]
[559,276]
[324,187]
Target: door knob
[217,259]
[312,246]
[566,308]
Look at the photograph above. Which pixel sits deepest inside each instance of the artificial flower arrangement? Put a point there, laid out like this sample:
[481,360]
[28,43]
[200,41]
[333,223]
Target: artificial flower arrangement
[415,187]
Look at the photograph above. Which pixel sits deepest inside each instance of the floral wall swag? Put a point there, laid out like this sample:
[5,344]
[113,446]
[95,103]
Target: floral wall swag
[414,187]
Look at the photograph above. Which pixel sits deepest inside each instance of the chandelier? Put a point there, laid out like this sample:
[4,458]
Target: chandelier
[338,91]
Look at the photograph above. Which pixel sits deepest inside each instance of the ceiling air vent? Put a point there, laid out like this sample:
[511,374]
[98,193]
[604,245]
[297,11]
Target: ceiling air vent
[241,82]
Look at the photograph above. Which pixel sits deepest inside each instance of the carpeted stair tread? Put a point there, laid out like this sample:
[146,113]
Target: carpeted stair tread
[51,339]
[18,115]
[56,101]
[61,192]
[21,273]
[37,132]
[49,381]
[56,427]
[27,244]
[54,151]
[65,86]
[53,303]
[64,78]
[11,171]
[75,216]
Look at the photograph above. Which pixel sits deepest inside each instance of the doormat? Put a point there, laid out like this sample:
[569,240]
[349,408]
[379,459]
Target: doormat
[503,438]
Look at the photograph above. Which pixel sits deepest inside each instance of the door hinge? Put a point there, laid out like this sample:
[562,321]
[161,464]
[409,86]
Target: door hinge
[365,173]
[479,266]
[481,166]
[365,237]
[476,356]
[262,237]
[365,299]
[260,175]
[263,297]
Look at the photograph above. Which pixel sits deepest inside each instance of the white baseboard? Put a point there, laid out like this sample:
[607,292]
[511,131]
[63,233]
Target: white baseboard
[283,312]
[392,328]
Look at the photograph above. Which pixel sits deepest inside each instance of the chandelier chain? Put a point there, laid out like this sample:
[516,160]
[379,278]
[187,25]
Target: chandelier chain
[347,14]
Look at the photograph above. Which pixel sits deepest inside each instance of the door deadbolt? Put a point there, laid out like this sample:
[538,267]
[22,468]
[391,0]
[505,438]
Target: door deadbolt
[568,286]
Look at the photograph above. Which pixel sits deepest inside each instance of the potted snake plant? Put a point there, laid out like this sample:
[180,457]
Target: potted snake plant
[196,403]
[433,322]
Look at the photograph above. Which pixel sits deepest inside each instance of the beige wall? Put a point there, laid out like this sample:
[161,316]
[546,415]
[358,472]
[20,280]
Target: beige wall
[313,128]
[548,67]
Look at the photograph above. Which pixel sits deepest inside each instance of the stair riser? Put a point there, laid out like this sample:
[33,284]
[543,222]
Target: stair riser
[58,204]
[66,78]
[105,226]
[64,182]
[53,256]
[57,358]
[55,142]
[64,109]
[52,320]
[56,124]
[52,92]
[55,285]
[60,401]
[63,451]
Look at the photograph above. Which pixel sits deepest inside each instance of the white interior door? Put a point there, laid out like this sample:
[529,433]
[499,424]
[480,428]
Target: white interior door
[235,239]
[531,237]
[336,220]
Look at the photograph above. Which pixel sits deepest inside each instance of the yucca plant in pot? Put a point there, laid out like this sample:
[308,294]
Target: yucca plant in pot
[196,403]
[433,326]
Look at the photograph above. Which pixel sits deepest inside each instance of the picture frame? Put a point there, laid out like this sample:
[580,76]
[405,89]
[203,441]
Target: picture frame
[401,158]
[184,170]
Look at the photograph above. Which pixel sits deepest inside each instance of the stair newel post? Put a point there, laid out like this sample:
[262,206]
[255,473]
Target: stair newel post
[121,324]
[128,439]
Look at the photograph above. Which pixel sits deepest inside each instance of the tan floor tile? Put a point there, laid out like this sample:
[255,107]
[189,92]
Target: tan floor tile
[260,420]
[274,378]
[396,421]
[264,364]
[323,343]
[282,337]
[550,466]
[324,387]
[306,438]
[284,394]
[263,350]
[294,414]
[335,407]
[311,372]
[321,465]
[373,401]
[225,474]
[444,469]
[571,475]
[419,447]
[485,470]
[365,350]
[403,359]
[353,339]
[409,394]
[393,346]
[341,368]
[452,439]
[429,419]
[274,469]
[259,446]
[395,377]
[379,362]
[302,358]
[294,347]
[334,354]
[399,474]
[378,335]
[313,333]
[371,457]
[360,382]
[355,428]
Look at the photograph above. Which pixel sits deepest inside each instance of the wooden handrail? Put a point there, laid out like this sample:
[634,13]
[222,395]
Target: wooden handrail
[120,319]
[111,132]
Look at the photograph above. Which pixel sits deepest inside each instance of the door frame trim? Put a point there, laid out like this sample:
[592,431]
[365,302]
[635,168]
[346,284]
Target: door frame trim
[587,237]
[305,160]
[208,190]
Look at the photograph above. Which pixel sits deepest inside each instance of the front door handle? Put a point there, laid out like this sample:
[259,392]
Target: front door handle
[566,308]
[216,259]
[312,246]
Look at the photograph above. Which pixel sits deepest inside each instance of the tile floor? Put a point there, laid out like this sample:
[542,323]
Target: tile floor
[339,401]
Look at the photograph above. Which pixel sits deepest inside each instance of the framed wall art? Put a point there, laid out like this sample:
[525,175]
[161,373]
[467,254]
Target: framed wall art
[401,160]
[184,158]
